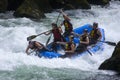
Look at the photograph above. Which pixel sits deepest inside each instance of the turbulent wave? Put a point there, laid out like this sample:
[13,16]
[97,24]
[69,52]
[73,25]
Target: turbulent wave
[16,64]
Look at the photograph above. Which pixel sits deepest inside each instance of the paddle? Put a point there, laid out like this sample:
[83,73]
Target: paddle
[51,33]
[89,52]
[48,39]
[34,36]
[109,43]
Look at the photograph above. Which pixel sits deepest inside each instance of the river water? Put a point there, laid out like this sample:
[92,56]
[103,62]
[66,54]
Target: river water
[16,65]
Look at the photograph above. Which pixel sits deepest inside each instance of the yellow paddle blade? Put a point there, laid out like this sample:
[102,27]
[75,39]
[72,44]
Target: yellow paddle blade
[31,37]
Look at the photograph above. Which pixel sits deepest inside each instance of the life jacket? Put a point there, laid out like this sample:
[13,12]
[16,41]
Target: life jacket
[68,46]
[93,34]
[68,26]
[57,35]
[83,38]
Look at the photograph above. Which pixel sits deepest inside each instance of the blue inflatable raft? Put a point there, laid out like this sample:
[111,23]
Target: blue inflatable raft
[79,30]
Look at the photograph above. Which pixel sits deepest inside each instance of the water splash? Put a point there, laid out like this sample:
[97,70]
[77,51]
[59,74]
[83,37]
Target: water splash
[14,32]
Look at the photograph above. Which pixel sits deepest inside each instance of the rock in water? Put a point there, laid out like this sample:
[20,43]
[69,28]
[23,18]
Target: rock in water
[113,63]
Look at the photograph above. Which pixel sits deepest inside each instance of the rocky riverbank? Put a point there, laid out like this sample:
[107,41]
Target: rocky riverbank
[37,8]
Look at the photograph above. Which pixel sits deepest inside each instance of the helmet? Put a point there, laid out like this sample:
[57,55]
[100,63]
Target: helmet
[53,24]
[71,36]
[95,24]
[85,30]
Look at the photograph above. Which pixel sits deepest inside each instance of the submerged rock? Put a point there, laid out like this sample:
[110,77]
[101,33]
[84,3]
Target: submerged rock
[113,63]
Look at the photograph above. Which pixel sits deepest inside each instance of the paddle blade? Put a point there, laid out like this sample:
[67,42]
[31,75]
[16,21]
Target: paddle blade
[48,40]
[31,37]
[111,43]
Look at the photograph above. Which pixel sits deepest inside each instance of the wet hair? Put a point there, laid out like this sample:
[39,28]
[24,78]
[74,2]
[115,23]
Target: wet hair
[95,24]
[31,42]
[53,24]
